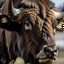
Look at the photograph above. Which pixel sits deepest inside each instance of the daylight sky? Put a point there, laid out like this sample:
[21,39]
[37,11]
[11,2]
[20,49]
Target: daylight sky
[58,2]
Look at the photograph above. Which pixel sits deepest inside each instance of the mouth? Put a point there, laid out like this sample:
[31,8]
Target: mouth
[55,56]
[42,58]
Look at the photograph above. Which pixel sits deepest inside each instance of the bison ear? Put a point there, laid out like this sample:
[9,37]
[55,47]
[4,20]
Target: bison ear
[8,24]
[3,18]
[27,25]
[4,21]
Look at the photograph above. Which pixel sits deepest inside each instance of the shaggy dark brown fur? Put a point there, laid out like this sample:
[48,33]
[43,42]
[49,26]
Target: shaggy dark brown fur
[27,43]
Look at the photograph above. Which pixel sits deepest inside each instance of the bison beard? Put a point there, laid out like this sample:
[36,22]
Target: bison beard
[4,57]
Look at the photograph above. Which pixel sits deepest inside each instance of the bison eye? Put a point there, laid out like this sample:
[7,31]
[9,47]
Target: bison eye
[27,25]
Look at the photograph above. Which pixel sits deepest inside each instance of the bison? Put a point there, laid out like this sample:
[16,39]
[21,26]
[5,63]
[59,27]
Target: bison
[29,42]
[32,31]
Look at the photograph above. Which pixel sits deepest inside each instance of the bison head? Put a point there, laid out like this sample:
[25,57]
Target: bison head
[35,33]
[34,37]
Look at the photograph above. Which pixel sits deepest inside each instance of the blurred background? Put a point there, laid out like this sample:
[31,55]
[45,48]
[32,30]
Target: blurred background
[59,4]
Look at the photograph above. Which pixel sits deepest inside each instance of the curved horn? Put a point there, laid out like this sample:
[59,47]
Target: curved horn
[58,14]
[13,12]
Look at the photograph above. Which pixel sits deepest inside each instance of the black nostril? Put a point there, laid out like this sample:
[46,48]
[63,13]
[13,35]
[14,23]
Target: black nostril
[55,51]
[46,49]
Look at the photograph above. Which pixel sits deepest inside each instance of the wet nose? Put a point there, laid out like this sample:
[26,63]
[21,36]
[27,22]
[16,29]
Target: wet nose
[51,52]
